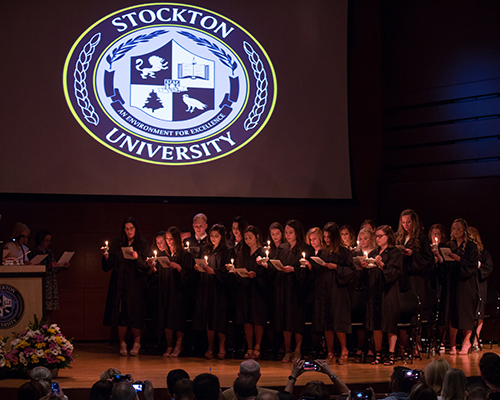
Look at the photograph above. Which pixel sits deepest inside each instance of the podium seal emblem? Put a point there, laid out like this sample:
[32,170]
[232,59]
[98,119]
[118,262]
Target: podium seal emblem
[11,306]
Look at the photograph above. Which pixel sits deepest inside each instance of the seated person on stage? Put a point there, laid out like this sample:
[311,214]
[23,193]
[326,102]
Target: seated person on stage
[206,387]
[172,378]
[247,368]
[198,240]
[245,388]
[400,384]
[183,389]
[490,370]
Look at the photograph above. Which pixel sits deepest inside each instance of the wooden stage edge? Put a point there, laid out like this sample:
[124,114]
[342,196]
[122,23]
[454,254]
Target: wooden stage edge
[94,358]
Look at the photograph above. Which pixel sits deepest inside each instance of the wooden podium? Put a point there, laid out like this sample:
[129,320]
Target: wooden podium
[21,296]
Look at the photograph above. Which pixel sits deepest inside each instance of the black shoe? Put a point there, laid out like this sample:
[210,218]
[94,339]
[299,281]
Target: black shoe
[378,358]
[390,359]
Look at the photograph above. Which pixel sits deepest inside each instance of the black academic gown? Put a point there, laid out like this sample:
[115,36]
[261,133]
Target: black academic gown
[252,293]
[212,294]
[416,267]
[382,309]
[332,298]
[172,301]
[462,285]
[290,289]
[126,303]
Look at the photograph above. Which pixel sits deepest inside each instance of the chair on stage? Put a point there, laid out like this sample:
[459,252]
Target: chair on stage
[429,318]
[410,308]
[491,312]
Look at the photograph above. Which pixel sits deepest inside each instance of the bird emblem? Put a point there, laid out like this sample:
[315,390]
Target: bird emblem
[193,103]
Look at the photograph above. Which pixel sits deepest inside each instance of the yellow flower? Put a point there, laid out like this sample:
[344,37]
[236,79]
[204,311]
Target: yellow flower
[7,363]
[59,340]
[40,345]
[22,344]
[34,358]
[61,358]
[51,330]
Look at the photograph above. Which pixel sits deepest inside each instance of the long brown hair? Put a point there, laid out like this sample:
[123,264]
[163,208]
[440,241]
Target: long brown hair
[276,225]
[176,235]
[413,242]
[441,229]
[476,237]
[335,239]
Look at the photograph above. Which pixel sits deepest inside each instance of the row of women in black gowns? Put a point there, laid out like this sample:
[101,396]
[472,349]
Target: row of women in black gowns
[217,294]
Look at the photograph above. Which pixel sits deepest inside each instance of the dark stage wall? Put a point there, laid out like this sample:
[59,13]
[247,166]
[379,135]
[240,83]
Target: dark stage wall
[415,143]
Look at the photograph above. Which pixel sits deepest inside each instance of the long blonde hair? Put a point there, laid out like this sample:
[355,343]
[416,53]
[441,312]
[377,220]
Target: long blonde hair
[476,237]
[434,374]
[413,242]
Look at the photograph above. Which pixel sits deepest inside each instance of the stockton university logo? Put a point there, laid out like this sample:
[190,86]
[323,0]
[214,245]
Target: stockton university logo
[11,306]
[169,84]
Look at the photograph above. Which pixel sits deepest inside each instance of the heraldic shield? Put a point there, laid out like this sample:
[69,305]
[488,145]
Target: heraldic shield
[172,83]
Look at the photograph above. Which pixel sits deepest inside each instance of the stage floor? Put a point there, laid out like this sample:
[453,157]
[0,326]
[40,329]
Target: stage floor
[94,358]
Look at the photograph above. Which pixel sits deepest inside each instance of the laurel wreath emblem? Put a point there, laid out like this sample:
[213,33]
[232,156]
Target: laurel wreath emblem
[214,49]
[120,51]
[260,99]
[80,74]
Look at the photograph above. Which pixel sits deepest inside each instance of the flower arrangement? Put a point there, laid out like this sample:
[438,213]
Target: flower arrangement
[3,360]
[39,345]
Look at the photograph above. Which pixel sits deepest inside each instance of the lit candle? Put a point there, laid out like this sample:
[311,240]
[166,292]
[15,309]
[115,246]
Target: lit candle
[187,245]
[206,259]
[303,255]
[436,239]
[358,243]
[155,252]
[232,261]
[268,243]
[366,254]
[106,243]
[267,253]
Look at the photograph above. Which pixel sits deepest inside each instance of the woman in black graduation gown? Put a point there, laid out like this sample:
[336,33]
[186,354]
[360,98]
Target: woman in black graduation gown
[238,226]
[463,295]
[417,253]
[382,309]
[213,291]
[417,260]
[485,268]
[251,292]
[290,288]
[126,304]
[275,238]
[332,300]
[173,280]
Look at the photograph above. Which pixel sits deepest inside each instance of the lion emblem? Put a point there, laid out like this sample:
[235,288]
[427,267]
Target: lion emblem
[157,64]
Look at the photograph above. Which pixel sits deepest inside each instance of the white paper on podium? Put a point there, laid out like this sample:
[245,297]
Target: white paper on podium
[38,259]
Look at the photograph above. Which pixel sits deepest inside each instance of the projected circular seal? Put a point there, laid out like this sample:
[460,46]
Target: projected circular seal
[169,84]
[11,306]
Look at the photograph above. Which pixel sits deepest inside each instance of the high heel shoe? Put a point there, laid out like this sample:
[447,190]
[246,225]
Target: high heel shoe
[343,359]
[168,353]
[390,359]
[177,351]
[330,359]
[256,354]
[209,354]
[221,355]
[135,349]
[287,358]
[378,358]
[465,350]
[123,349]
[249,354]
